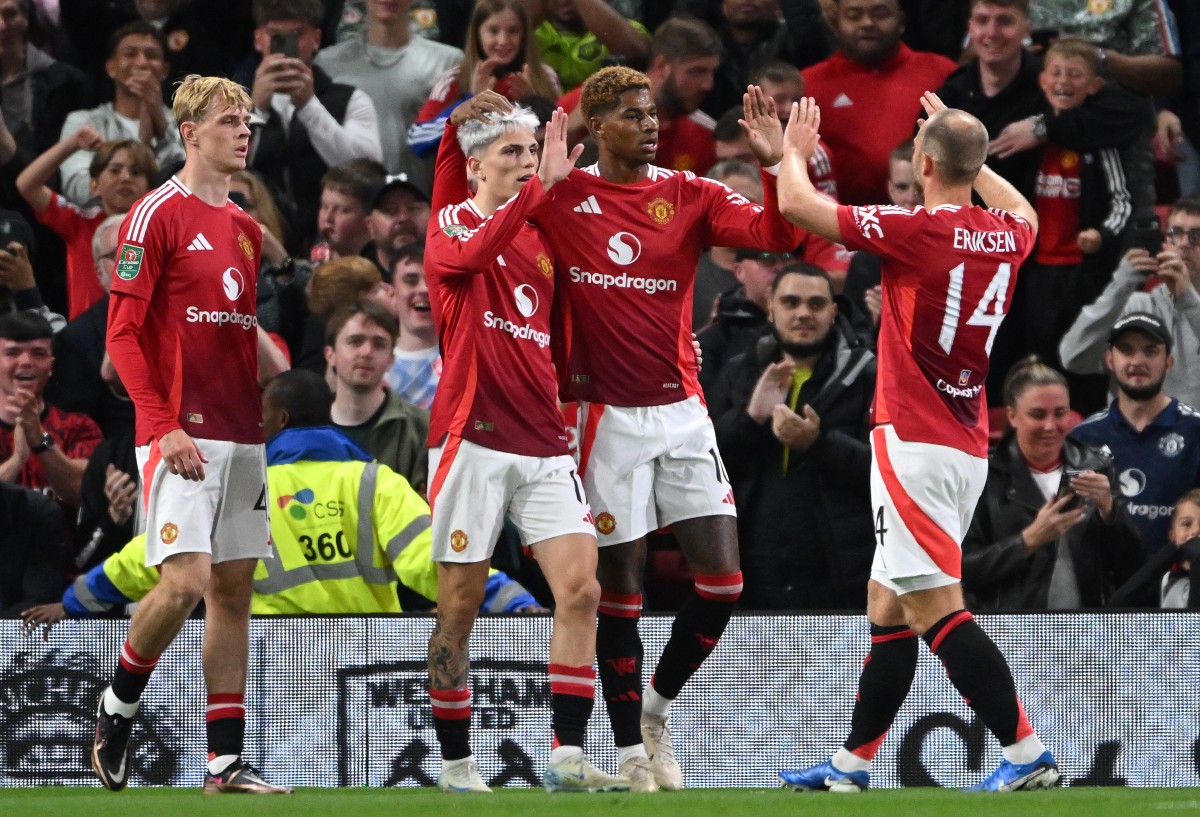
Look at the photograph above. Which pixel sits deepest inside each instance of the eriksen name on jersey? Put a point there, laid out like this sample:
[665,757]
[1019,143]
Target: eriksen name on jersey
[984,240]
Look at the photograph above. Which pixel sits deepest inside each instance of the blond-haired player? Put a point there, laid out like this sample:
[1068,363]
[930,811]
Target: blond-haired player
[183,335]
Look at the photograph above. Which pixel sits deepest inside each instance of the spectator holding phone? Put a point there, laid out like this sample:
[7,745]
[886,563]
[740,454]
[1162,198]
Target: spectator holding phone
[304,123]
[1170,275]
[1048,532]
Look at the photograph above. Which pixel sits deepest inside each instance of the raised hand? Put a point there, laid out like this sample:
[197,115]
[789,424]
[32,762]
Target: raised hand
[932,103]
[479,106]
[803,129]
[483,78]
[760,122]
[557,161]
[87,138]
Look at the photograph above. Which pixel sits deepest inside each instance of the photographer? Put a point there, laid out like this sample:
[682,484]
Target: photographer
[1047,532]
[1173,271]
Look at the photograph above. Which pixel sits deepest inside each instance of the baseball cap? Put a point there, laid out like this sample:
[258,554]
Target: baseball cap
[1148,324]
[765,256]
[394,181]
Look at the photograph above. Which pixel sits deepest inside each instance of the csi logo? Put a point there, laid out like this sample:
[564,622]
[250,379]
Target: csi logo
[624,249]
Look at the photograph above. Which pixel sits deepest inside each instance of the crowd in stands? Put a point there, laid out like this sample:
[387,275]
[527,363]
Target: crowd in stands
[1093,110]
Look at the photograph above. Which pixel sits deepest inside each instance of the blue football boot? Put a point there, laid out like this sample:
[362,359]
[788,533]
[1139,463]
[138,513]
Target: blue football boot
[1040,774]
[824,777]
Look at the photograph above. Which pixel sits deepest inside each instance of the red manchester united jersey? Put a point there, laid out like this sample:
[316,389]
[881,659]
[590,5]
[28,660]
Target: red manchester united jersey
[948,279]
[626,255]
[182,330]
[491,289]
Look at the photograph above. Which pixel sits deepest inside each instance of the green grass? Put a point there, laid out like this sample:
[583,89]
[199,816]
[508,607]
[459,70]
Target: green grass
[1079,802]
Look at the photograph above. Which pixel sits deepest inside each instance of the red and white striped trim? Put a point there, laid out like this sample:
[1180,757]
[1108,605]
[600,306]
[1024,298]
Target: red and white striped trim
[719,587]
[139,219]
[566,680]
[620,605]
[451,704]
[225,705]
[132,662]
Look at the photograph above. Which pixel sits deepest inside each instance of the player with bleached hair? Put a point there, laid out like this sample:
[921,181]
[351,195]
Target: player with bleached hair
[498,445]
[183,337]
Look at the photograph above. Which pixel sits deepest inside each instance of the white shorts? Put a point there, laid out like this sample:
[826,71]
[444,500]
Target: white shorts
[649,467]
[224,515]
[924,496]
[473,488]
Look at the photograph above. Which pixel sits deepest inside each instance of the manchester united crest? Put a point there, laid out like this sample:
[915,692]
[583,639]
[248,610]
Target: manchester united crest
[458,541]
[605,523]
[1070,159]
[661,210]
[247,246]
[169,533]
[545,265]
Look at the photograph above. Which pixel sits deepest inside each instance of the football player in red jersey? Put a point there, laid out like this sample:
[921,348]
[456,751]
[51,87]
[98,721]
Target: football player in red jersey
[182,335]
[498,446]
[626,237]
[948,270]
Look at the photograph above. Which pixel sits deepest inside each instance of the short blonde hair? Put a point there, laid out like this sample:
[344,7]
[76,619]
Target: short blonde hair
[602,91]
[196,95]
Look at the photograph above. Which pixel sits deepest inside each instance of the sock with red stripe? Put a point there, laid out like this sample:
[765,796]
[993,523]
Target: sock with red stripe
[225,724]
[572,690]
[452,721]
[980,674]
[619,657]
[132,675]
[696,631]
[887,674]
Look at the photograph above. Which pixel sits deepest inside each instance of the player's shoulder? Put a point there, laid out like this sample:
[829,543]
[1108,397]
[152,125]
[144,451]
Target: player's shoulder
[155,207]
[1188,414]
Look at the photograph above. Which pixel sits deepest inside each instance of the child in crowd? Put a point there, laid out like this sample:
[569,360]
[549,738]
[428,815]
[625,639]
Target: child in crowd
[120,172]
[1169,572]
[1082,201]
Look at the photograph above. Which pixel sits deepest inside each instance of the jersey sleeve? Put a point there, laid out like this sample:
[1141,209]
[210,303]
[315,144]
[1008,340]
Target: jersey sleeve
[450,171]
[735,221]
[463,251]
[140,263]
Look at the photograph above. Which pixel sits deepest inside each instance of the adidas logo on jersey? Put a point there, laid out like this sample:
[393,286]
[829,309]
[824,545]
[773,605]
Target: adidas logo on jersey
[842,101]
[199,243]
[589,206]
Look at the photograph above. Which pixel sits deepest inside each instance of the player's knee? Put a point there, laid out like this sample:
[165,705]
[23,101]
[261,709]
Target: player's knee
[184,591]
[581,595]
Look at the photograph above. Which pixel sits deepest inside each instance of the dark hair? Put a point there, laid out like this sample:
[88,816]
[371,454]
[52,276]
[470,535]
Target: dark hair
[802,268]
[602,91]
[1028,372]
[1187,204]
[304,395]
[307,11]
[25,325]
[684,38]
[356,178]
[139,27]
[373,312]
[1020,5]
[776,70]
[902,152]
[140,157]
[728,128]
[414,252]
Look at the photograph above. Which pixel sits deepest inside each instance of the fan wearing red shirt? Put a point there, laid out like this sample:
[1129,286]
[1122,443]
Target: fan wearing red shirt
[182,334]
[626,238]
[948,272]
[869,81]
[497,443]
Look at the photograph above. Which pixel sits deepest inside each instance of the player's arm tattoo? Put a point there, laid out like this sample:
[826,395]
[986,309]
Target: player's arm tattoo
[449,658]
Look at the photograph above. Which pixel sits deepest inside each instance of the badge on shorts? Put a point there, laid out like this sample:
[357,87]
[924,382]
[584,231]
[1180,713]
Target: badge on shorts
[129,262]
[458,541]
[605,523]
[169,533]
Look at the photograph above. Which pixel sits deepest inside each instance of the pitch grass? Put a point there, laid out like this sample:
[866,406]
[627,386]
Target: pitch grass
[1075,802]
